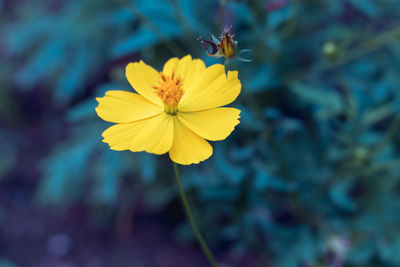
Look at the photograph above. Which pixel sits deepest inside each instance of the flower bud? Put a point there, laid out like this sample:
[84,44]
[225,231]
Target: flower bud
[225,46]
[330,50]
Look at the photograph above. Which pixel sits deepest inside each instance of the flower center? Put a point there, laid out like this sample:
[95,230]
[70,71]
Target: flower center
[170,91]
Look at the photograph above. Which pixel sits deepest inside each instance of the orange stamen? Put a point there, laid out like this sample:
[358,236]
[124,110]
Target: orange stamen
[170,91]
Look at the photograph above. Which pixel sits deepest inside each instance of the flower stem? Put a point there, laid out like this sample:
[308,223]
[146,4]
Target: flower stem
[189,214]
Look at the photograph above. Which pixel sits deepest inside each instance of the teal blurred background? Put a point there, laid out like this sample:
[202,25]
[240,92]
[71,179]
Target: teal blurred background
[310,177]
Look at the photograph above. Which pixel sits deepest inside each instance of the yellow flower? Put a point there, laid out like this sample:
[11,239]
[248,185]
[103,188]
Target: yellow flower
[173,111]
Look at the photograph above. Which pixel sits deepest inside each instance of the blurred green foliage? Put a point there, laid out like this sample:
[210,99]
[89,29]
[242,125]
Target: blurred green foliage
[311,174]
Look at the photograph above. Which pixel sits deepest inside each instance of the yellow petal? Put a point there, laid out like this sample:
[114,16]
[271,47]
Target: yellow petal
[186,68]
[153,135]
[188,147]
[143,77]
[170,66]
[122,107]
[212,124]
[212,89]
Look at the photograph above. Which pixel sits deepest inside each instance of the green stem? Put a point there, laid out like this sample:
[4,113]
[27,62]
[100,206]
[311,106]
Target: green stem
[391,133]
[367,46]
[189,214]
[387,166]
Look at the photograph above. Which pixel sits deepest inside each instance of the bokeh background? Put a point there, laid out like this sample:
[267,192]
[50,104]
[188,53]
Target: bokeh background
[310,177]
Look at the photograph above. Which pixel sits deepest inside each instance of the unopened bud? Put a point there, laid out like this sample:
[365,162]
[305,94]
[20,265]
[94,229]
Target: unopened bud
[331,50]
[225,46]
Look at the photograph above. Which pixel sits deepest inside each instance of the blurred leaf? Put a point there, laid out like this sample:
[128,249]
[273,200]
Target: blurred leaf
[340,195]
[263,79]
[263,180]
[369,7]
[190,12]
[140,40]
[64,173]
[76,74]
[84,110]
[362,253]
[276,18]
[329,102]
[7,263]
[376,115]
[231,171]
[42,64]
[8,152]
[148,167]
[108,175]
[388,250]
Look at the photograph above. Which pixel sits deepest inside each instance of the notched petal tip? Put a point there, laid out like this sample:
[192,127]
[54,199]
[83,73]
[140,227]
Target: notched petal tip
[111,92]
[233,74]
[186,163]
[217,68]
[190,163]
[132,65]
[187,56]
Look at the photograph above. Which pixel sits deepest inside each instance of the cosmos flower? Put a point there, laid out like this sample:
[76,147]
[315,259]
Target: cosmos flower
[173,111]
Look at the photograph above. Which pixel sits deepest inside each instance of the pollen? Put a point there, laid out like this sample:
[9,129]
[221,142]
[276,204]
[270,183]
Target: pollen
[170,91]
